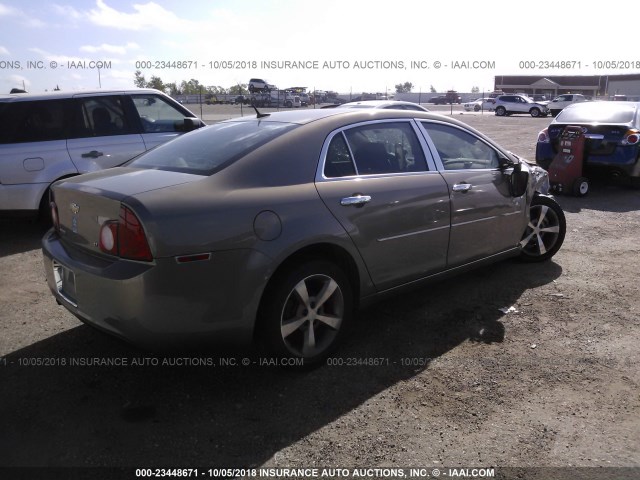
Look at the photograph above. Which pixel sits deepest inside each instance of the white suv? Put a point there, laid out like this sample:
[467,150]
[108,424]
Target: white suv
[508,104]
[46,137]
[557,104]
[260,85]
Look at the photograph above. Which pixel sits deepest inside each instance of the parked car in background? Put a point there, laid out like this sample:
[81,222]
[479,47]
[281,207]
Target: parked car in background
[538,97]
[278,227]
[557,104]
[480,104]
[510,104]
[439,100]
[45,137]
[612,137]
[450,97]
[260,85]
[385,104]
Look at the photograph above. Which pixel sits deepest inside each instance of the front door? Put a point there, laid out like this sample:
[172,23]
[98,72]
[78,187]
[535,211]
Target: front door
[485,218]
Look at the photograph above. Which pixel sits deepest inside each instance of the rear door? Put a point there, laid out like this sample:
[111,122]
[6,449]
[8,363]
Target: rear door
[375,179]
[104,133]
[485,218]
[33,150]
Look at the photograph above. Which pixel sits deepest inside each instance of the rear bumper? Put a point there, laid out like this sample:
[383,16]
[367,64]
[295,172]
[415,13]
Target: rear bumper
[160,304]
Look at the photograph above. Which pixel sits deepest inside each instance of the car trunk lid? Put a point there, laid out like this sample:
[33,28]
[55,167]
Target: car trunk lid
[600,139]
[85,203]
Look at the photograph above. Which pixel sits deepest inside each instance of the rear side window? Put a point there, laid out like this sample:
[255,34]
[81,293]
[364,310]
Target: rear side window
[100,117]
[210,149]
[36,121]
[387,147]
[339,162]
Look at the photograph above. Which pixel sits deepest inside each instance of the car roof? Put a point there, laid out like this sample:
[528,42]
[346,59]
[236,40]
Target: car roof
[22,97]
[376,103]
[347,116]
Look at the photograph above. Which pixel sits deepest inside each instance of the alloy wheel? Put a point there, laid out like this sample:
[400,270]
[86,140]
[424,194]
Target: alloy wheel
[312,316]
[545,231]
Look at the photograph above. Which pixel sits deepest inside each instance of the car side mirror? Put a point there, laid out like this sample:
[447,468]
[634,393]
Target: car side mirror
[188,124]
[505,163]
[518,180]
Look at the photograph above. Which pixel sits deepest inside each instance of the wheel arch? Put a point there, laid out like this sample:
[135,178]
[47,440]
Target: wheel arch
[43,205]
[318,251]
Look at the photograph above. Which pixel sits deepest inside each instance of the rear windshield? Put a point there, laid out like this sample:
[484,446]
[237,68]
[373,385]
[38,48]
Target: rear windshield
[597,112]
[212,148]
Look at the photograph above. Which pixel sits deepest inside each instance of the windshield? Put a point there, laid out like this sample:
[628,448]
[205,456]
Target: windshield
[212,148]
[597,112]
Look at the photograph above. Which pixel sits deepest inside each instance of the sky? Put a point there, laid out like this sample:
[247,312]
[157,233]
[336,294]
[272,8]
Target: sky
[341,45]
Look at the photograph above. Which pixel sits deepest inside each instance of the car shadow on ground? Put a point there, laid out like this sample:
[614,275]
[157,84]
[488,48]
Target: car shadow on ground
[19,235]
[209,415]
[605,196]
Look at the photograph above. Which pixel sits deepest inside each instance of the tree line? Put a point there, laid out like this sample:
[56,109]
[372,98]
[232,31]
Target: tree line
[187,87]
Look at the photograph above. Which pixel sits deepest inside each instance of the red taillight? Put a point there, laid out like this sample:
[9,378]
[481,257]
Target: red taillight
[132,241]
[543,136]
[631,137]
[125,237]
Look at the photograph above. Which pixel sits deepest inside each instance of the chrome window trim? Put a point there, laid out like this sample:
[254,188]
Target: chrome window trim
[436,155]
[320,177]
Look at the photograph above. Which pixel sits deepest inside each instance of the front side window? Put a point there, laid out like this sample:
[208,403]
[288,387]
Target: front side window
[157,115]
[460,150]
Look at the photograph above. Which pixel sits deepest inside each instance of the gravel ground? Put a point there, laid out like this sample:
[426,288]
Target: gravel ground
[438,377]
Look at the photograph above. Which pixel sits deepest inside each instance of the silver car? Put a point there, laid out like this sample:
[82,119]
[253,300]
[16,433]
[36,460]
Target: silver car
[45,137]
[480,104]
[277,227]
[388,104]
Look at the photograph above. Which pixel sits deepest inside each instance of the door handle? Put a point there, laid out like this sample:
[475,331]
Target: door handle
[461,187]
[355,200]
[92,154]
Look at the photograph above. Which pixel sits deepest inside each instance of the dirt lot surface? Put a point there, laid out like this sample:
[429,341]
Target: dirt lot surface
[439,377]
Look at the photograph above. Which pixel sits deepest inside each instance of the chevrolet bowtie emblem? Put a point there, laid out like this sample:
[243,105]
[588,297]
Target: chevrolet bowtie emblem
[75,208]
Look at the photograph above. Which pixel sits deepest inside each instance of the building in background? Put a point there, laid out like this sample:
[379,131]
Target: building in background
[594,86]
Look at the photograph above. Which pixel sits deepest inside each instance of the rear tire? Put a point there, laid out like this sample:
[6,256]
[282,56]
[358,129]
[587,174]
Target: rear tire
[545,232]
[501,111]
[44,209]
[306,311]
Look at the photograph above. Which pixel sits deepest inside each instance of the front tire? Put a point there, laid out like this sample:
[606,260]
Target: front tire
[306,311]
[501,111]
[545,231]
[535,112]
